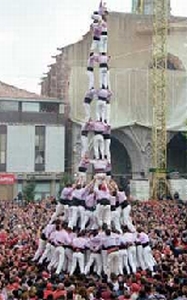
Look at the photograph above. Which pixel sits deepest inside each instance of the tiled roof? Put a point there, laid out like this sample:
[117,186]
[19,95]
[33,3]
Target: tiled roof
[10,91]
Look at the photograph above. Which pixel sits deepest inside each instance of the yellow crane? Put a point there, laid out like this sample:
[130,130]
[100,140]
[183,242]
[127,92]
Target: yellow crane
[158,180]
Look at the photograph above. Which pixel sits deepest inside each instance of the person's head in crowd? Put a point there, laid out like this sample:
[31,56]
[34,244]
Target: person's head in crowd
[50,297]
[108,232]
[124,228]
[83,293]
[70,294]
[69,184]
[78,186]
[104,226]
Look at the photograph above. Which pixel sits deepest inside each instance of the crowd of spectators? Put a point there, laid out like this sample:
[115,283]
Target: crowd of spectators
[21,278]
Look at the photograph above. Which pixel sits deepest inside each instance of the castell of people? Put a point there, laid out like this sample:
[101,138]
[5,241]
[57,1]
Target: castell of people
[93,171]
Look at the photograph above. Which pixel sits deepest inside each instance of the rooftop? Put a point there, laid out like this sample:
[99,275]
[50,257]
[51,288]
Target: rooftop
[10,91]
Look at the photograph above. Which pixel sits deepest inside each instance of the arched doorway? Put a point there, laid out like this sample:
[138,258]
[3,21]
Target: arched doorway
[177,154]
[173,63]
[121,163]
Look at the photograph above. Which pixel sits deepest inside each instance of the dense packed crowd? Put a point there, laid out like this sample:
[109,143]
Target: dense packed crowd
[22,278]
[94,243]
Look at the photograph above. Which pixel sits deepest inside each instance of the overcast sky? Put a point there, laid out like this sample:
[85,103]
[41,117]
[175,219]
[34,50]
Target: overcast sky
[31,31]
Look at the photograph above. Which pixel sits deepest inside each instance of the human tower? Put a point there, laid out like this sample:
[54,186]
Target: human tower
[92,224]
[98,129]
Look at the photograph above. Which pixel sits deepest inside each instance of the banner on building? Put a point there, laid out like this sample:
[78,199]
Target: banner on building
[7,179]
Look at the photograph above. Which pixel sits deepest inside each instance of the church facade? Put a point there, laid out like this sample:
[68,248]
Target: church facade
[130,44]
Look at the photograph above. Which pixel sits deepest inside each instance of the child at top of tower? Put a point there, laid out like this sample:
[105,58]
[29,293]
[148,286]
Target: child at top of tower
[96,16]
[103,10]
[101,14]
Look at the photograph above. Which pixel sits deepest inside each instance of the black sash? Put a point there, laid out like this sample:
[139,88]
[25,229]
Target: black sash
[103,202]
[87,100]
[124,204]
[43,237]
[103,65]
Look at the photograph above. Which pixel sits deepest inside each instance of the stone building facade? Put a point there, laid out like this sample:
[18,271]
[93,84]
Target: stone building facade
[32,142]
[130,44]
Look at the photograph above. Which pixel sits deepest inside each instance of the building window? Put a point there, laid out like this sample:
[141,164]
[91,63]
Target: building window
[30,107]
[42,190]
[39,148]
[3,146]
[9,106]
[49,107]
[61,109]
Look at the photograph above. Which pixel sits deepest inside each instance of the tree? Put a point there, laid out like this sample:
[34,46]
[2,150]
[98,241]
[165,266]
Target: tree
[29,190]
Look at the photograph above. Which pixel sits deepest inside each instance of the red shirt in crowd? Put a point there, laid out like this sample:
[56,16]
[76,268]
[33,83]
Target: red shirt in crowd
[3,236]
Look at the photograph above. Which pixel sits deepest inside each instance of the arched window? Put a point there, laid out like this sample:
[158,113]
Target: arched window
[173,63]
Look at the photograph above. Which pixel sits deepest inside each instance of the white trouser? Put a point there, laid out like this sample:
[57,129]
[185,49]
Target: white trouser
[116,220]
[108,80]
[94,258]
[90,79]
[98,215]
[126,214]
[84,145]
[82,177]
[61,256]
[126,219]
[103,77]
[100,110]
[108,179]
[77,257]
[123,261]
[66,213]
[54,259]
[103,44]
[140,257]
[68,260]
[103,215]
[74,214]
[95,46]
[82,216]
[132,257]
[104,255]
[113,263]
[148,258]
[92,221]
[98,145]
[47,254]
[107,152]
[87,109]
[40,250]
[118,209]
[107,112]
[87,256]
[86,218]
[59,210]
